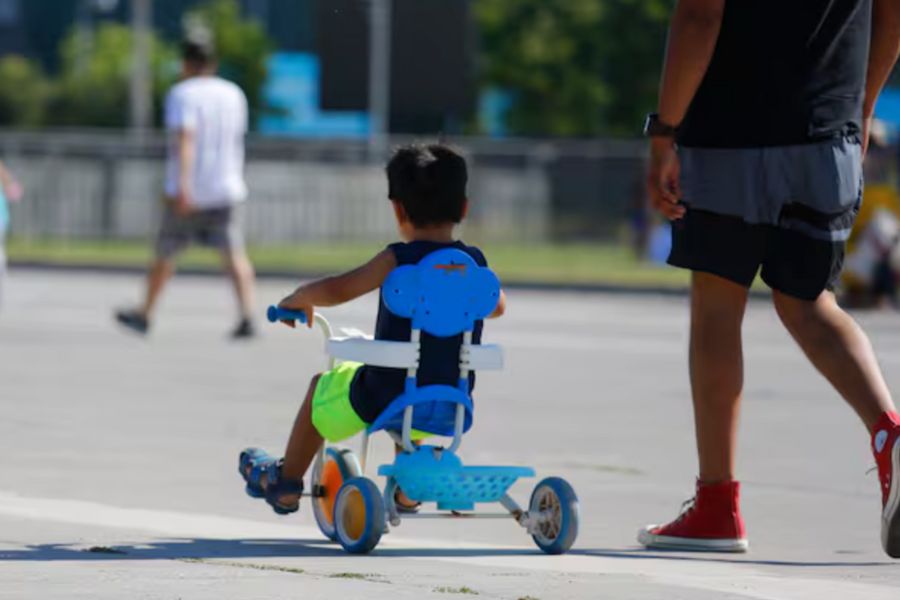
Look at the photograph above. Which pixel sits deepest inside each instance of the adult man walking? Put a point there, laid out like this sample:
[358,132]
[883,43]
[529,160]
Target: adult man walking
[206,117]
[769,103]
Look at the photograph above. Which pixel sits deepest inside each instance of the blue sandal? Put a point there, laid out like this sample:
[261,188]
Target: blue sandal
[252,465]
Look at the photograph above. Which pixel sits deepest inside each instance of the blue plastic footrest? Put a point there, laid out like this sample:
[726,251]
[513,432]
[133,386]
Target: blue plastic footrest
[438,476]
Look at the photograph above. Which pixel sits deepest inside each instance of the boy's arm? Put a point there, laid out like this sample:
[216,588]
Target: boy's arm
[501,307]
[883,54]
[339,289]
[692,41]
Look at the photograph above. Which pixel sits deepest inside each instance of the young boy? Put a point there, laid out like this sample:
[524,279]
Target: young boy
[427,187]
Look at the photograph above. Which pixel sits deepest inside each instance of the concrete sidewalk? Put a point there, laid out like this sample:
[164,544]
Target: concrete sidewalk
[129,446]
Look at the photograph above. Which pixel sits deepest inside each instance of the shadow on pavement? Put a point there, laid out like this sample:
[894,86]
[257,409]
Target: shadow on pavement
[239,548]
[641,554]
[200,548]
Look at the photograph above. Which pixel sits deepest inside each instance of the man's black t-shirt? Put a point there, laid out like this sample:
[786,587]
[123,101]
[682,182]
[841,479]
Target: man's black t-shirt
[784,72]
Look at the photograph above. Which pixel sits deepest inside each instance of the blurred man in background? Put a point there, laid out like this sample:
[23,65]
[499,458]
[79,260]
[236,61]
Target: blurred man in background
[206,117]
[10,191]
[770,104]
[872,271]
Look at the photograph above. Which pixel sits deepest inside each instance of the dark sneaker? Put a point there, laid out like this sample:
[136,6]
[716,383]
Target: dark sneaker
[133,320]
[244,330]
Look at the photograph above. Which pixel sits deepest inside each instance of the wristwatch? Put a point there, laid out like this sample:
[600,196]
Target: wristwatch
[653,127]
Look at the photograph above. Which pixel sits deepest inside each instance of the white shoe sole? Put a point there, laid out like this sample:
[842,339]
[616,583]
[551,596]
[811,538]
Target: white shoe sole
[890,518]
[665,542]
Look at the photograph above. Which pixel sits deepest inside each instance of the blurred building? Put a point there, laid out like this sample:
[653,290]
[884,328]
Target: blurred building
[432,49]
[35,27]
[318,86]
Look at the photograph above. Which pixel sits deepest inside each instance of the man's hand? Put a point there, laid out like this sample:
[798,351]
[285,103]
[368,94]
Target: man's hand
[183,204]
[299,301]
[663,177]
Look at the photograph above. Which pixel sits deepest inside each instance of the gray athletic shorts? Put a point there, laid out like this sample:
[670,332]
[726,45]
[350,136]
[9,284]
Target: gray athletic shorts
[218,228]
[784,212]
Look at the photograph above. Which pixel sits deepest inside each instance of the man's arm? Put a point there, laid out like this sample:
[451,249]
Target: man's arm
[339,289]
[185,143]
[883,55]
[692,40]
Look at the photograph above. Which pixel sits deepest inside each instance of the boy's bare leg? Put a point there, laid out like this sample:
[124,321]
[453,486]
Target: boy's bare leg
[401,498]
[160,272]
[240,271]
[840,350]
[717,371]
[305,440]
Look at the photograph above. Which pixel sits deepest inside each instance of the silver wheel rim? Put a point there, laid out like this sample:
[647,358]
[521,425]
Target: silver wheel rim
[548,510]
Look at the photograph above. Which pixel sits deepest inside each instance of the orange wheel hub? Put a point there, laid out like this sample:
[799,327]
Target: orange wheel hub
[331,482]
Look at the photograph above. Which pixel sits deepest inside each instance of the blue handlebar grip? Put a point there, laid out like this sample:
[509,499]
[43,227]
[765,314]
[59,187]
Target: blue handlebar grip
[274,314]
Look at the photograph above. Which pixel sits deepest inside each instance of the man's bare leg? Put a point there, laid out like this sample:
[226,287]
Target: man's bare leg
[840,350]
[159,274]
[240,271]
[717,371]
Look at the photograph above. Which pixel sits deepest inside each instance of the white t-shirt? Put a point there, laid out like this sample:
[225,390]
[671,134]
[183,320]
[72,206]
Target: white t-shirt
[215,110]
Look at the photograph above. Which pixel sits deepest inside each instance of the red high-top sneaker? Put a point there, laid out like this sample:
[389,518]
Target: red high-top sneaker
[709,522]
[886,447]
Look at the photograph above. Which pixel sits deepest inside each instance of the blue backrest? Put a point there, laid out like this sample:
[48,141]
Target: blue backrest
[445,294]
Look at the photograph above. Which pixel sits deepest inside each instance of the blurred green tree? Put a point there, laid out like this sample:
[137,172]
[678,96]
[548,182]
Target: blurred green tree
[24,93]
[242,45]
[576,68]
[92,88]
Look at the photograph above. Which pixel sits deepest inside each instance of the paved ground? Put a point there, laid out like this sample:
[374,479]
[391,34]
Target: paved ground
[110,442]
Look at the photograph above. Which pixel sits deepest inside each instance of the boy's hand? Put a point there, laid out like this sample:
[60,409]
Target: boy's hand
[298,301]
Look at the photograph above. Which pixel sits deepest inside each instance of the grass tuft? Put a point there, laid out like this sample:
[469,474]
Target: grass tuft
[241,565]
[360,576]
[459,590]
[584,264]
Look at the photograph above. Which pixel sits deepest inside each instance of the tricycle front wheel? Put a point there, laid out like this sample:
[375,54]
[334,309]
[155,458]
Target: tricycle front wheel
[338,466]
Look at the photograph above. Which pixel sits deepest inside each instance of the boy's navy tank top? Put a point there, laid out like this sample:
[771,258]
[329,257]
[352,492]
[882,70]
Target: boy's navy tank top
[374,388]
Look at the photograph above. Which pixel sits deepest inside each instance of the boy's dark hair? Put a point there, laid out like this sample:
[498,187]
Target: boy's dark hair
[429,181]
[198,52]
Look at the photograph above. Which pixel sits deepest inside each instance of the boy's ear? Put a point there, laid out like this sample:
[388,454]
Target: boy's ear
[400,212]
[465,209]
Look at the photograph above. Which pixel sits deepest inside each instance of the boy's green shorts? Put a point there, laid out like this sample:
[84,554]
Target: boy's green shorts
[332,414]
